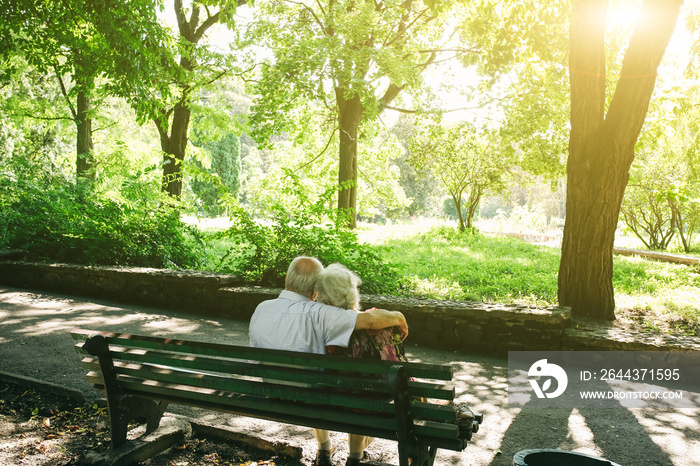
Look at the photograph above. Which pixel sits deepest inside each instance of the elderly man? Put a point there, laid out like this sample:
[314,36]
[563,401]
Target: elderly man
[295,322]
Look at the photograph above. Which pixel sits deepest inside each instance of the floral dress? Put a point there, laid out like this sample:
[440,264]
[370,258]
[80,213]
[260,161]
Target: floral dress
[385,344]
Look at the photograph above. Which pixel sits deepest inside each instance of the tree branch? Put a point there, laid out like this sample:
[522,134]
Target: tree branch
[320,6]
[635,87]
[64,91]
[194,17]
[428,62]
[326,29]
[29,115]
[389,95]
[404,26]
[458,51]
[215,78]
[330,140]
[209,22]
[587,68]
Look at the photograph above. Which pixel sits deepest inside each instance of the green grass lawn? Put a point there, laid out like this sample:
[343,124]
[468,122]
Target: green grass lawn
[440,263]
[436,261]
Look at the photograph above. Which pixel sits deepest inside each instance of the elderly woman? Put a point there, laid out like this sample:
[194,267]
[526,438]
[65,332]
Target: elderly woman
[337,286]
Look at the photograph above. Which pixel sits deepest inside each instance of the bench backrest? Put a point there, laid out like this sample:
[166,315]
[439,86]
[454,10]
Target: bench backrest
[330,392]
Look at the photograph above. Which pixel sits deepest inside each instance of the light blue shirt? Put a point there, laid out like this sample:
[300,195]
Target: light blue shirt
[295,323]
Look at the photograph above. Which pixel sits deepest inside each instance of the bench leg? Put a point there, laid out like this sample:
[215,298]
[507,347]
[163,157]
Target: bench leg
[122,409]
[404,419]
[155,413]
[424,456]
[118,416]
[144,408]
[118,423]
[404,459]
[130,408]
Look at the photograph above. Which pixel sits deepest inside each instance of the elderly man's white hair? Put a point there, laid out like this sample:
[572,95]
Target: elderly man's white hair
[337,286]
[302,274]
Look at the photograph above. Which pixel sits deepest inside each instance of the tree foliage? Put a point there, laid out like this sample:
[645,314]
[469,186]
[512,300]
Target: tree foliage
[465,159]
[662,200]
[284,163]
[522,85]
[56,38]
[355,57]
[89,49]
[261,251]
[221,177]
[171,71]
[34,139]
[419,185]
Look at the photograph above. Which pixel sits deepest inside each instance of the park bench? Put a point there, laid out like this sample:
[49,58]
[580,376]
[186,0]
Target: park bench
[406,402]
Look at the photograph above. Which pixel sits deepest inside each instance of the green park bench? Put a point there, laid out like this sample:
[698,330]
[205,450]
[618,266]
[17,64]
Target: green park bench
[141,375]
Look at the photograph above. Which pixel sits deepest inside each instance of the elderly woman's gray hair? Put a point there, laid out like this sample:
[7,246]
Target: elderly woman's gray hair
[337,286]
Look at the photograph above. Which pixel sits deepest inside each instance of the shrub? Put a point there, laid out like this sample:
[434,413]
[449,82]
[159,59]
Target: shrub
[69,224]
[260,250]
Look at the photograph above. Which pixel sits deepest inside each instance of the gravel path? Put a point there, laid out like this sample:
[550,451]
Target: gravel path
[35,342]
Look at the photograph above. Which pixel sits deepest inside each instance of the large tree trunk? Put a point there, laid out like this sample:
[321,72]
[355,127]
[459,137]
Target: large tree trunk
[174,148]
[85,155]
[601,147]
[85,168]
[349,118]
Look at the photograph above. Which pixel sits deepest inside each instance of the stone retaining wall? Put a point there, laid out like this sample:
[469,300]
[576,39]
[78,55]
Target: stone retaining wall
[472,326]
[170,289]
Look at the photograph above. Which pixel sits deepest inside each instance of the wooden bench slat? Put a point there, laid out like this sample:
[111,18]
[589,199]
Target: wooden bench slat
[432,412]
[442,391]
[431,390]
[418,370]
[309,394]
[329,419]
[296,375]
[420,410]
[236,402]
[185,394]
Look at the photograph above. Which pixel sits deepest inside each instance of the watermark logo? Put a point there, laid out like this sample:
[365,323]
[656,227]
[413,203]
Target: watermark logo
[547,372]
[604,379]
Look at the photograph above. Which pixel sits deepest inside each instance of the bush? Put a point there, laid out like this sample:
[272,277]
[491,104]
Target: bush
[260,250]
[69,224]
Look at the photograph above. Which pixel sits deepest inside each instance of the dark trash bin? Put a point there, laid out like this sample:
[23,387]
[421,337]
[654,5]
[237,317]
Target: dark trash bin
[558,458]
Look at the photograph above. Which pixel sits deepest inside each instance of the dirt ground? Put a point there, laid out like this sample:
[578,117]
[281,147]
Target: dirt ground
[35,342]
[40,428]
